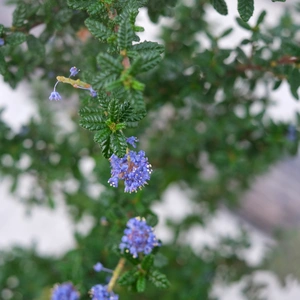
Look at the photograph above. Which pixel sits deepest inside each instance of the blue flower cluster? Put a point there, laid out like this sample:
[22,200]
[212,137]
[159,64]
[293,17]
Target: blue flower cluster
[64,291]
[133,168]
[138,237]
[100,292]
[2,42]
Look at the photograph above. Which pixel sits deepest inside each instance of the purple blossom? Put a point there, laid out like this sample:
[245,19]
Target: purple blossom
[2,42]
[98,267]
[133,168]
[138,237]
[100,292]
[132,140]
[73,71]
[64,291]
[55,96]
[93,92]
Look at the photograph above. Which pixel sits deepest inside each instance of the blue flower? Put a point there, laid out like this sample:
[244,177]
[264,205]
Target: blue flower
[93,92]
[138,237]
[98,267]
[73,71]
[55,96]
[2,42]
[100,292]
[64,291]
[132,140]
[133,168]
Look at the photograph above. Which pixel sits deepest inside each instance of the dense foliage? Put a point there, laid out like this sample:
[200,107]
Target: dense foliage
[195,111]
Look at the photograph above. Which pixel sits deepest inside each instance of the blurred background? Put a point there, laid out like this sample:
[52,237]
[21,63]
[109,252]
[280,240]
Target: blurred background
[268,210]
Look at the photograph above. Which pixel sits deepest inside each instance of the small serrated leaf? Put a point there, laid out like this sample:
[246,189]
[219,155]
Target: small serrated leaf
[125,35]
[147,47]
[36,47]
[150,61]
[93,122]
[19,15]
[109,63]
[147,262]
[98,29]
[158,279]
[220,6]
[103,79]
[114,110]
[246,9]
[102,137]
[128,278]
[77,4]
[16,38]
[136,99]
[118,143]
[141,284]
[64,16]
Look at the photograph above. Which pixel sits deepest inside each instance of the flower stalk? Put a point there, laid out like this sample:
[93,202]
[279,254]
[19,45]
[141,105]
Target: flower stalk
[116,274]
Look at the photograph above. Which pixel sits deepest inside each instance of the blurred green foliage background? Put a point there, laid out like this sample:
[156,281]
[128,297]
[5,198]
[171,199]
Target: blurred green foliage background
[204,112]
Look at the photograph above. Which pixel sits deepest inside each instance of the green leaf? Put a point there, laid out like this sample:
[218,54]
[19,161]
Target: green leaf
[220,6]
[261,17]
[147,262]
[80,4]
[125,35]
[64,16]
[158,279]
[226,32]
[278,0]
[118,143]
[36,47]
[245,9]
[103,79]
[129,115]
[147,47]
[16,38]
[114,110]
[102,137]
[136,99]
[109,63]
[3,66]
[19,15]
[136,66]
[97,29]
[294,81]
[128,278]
[243,24]
[141,284]
[277,84]
[110,86]
[92,119]
[150,61]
